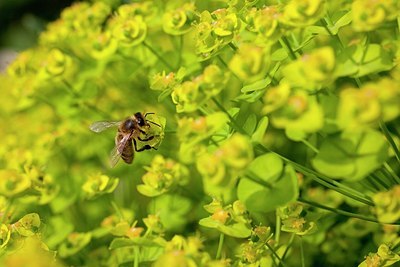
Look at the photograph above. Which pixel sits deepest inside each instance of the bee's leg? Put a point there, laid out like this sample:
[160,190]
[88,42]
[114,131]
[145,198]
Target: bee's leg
[146,139]
[146,147]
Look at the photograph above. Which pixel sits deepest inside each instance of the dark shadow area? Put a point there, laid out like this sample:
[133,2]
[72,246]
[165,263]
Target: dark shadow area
[22,20]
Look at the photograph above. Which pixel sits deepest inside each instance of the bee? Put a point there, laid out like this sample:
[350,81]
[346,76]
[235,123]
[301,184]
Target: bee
[131,130]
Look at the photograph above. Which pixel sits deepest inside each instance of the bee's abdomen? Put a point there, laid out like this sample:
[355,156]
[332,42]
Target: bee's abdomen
[127,153]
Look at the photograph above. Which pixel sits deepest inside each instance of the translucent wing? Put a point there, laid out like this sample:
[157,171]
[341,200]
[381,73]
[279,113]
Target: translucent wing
[100,126]
[117,150]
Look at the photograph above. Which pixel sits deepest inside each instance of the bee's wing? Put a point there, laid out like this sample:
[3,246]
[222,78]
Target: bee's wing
[117,150]
[99,126]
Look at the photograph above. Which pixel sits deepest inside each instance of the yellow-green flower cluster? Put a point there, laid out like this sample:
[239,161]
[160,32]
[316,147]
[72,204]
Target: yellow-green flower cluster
[387,205]
[76,22]
[74,243]
[255,251]
[193,131]
[32,184]
[385,256]
[231,219]
[300,13]
[98,184]
[294,221]
[250,63]
[266,22]
[179,21]
[11,235]
[360,108]
[221,167]
[128,30]
[312,71]
[293,110]
[371,14]
[191,95]
[162,176]
[215,30]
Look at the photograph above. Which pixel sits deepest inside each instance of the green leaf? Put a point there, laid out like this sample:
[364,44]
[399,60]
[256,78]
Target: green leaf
[295,134]
[268,167]
[258,85]
[332,160]
[148,191]
[250,124]
[259,198]
[250,97]
[239,230]
[351,156]
[343,21]
[172,210]
[363,60]
[314,30]
[259,133]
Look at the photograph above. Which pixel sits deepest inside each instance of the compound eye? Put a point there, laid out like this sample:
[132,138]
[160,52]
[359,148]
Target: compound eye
[141,121]
[129,124]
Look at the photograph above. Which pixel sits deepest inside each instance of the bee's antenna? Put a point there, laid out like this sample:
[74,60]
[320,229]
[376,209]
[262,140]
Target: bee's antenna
[148,113]
[154,123]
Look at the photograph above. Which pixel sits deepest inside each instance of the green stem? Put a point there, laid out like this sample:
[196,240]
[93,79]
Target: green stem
[381,180]
[220,245]
[387,176]
[398,27]
[395,248]
[296,42]
[158,56]
[287,248]
[234,47]
[386,132]
[345,213]
[302,252]
[233,122]
[378,186]
[227,67]
[310,146]
[392,172]
[275,254]
[366,45]
[358,82]
[367,185]
[117,209]
[286,45]
[136,260]
[278,223]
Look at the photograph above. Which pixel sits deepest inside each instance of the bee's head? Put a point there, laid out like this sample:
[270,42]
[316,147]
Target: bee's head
[141,121]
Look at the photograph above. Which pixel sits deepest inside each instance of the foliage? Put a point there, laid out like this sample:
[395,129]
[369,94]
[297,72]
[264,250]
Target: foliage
[278,126]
